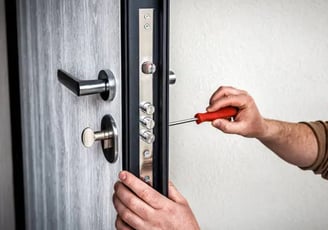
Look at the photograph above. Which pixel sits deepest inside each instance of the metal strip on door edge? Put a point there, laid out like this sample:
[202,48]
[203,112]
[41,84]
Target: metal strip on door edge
[130,91]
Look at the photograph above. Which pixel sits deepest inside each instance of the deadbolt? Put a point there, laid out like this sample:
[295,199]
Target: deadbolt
[148,67]
[105,85]
[147,122]
[147,136]
[172,77]
[147,108]
[108,137]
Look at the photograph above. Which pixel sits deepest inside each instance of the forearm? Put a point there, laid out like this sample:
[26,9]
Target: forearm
[293,142]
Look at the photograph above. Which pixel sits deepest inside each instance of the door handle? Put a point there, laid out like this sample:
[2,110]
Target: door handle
[105,85]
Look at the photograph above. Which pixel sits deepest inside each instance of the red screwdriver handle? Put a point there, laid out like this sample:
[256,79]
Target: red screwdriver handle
[226,112]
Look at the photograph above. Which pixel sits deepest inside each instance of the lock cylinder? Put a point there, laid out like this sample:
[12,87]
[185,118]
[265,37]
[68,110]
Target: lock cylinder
[108,136]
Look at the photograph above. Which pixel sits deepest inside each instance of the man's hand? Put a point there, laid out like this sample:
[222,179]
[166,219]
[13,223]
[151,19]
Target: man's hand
[293,142]
[139,206]
[248,122]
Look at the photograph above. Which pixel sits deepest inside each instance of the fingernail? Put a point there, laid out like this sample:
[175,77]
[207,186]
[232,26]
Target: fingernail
[122,176]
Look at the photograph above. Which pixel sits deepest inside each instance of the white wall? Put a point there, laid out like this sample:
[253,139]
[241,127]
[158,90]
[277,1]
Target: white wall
[278,52]
[6,182]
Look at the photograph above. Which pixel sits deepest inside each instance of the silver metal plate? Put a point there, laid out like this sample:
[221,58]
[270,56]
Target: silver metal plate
[146,89]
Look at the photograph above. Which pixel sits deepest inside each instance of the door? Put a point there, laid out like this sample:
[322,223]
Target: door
[67,186]
[92,73]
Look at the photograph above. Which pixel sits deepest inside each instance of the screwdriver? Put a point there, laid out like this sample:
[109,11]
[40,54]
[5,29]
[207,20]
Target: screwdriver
[226,112]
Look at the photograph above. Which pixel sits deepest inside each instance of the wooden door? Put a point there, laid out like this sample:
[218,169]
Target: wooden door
[67,186]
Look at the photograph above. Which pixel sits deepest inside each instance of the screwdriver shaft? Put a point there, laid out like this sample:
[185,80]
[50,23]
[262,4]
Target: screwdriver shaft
[182,121]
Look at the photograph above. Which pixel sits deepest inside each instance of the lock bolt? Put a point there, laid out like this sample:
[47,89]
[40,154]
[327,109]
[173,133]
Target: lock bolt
[147,107]
[147,136]
[147,122]
[148,67]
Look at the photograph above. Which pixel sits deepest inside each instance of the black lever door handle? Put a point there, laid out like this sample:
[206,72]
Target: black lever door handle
[105,85]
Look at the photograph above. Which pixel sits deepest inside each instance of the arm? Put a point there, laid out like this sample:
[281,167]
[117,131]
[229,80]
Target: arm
[293,142]
[139,206]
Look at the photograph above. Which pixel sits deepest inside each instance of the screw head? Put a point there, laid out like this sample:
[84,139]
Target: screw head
[147,26]
[146,16]
[147,179]
[147,153]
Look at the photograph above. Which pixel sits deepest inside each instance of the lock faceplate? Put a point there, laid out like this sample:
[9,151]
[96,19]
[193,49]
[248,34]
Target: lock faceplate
[146,71]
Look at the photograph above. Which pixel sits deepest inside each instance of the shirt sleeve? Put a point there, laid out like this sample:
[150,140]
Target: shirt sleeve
[320,165]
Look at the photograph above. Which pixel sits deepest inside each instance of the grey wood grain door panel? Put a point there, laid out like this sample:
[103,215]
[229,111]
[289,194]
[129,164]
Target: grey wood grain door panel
[66,185]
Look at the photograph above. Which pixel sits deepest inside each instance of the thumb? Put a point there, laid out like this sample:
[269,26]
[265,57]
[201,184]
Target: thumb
[174,194]
[227,126]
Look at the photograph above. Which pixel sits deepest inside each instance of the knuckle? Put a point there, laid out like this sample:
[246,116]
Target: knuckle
[116,185]
[113,197]
[170,209]
[120,225]
[131,202]
[118,188]
[145,194]
[241,91]
[222,126]
[149,214]
[126,216]
[248,97]
[115,203]
[184,201]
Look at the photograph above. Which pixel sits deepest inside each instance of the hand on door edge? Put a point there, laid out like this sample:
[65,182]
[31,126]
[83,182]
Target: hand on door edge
[139,206]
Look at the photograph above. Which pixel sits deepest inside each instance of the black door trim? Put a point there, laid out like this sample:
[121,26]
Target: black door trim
[15,113]
[130,89]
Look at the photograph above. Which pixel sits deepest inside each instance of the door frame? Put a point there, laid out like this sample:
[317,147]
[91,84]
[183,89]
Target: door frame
[15,113]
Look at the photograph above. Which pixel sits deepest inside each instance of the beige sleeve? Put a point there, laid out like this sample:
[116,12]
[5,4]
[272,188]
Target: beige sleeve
[320,130]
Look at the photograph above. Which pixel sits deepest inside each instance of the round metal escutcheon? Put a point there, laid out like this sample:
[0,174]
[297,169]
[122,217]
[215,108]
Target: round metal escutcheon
[110,146]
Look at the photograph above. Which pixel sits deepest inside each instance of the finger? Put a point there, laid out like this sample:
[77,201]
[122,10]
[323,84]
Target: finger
[225,91]
[238,101]
[174,194]
[132,202]
[121,225]
[227,126]
[143,190]
[129,217]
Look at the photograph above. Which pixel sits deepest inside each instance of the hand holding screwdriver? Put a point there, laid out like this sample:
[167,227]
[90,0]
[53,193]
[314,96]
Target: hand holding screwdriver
[226,112]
